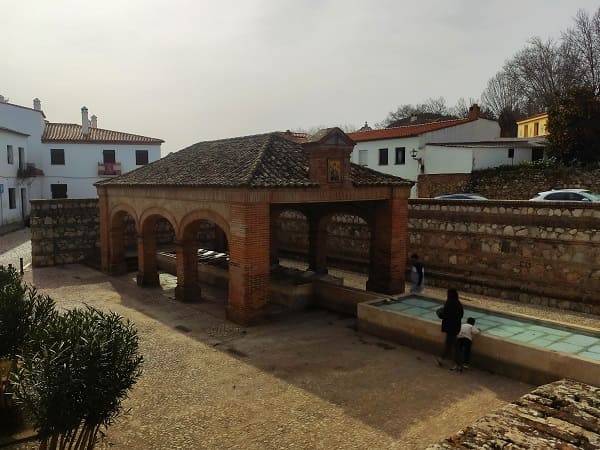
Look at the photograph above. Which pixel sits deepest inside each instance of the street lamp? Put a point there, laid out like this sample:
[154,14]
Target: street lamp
[413,153]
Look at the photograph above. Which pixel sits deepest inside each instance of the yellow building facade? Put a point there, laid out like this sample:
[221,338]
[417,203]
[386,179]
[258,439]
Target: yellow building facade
[533,126]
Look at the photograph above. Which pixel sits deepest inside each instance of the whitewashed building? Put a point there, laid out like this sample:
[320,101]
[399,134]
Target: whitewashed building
[60,160]
[443,147]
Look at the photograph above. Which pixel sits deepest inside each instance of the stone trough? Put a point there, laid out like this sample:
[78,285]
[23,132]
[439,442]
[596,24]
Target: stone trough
[532,351]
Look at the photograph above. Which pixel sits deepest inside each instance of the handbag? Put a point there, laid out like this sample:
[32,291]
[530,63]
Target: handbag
[440,312]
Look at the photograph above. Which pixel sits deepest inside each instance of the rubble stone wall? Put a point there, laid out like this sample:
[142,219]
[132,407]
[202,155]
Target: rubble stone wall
[63,231]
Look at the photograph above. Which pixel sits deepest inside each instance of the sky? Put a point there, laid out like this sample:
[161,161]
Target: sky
[192,70]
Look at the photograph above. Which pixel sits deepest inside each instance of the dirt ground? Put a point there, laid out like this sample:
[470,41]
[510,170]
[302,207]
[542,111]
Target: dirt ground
[307,380]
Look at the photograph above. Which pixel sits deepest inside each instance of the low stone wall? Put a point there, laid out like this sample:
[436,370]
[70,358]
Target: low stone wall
[63,231]
[545,253]
[439,184]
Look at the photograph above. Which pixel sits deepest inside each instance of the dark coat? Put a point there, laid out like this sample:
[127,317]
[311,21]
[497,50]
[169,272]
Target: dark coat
[453,314]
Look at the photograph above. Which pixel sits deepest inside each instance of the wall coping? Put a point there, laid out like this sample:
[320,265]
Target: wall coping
[63,200]
[510,203]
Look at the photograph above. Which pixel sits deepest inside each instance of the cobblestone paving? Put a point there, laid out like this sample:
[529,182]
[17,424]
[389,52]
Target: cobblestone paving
[305,381]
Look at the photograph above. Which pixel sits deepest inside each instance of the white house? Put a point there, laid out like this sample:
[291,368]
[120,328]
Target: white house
[75,156]
[443,147]
[14,183]
[66,159]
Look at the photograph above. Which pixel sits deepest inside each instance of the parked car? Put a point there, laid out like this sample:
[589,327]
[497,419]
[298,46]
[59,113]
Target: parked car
[571,195]
[460,197]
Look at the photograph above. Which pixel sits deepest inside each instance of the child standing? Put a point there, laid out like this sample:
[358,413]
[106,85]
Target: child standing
[464,340]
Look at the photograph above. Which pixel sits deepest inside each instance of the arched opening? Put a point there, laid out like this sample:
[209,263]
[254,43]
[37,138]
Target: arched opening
[123,245]
[337,244]
[290,242]
[202,261]
[155,243]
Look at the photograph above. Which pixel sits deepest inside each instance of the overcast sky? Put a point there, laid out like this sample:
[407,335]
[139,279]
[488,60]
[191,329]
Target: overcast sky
[193,70]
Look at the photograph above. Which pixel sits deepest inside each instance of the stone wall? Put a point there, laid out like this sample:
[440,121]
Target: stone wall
[546,254]
[63,231]
[521,183]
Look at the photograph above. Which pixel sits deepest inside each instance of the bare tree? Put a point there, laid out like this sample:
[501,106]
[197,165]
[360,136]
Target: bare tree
[543,70]
[584,40]
[431,107]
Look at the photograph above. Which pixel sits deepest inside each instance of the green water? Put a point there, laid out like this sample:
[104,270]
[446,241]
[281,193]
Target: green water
[557,338]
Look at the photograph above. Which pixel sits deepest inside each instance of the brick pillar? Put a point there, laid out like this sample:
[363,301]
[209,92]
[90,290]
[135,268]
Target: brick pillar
[273,248]
[103,215]
[188,289]
[249,262]
[147,266]
[388,246]
[317,243]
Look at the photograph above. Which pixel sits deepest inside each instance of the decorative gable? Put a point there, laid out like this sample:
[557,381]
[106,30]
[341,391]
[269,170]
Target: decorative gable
[328,154]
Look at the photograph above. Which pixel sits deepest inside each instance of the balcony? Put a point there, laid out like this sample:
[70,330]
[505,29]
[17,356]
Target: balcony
[109,169]
[29,171]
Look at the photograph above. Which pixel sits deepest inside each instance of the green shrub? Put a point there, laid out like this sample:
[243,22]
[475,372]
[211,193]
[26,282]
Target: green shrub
[22,312]
[73,380]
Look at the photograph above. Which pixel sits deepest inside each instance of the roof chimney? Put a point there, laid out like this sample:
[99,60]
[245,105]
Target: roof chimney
[94,121]
[85,123]
[474,112]
[37,105]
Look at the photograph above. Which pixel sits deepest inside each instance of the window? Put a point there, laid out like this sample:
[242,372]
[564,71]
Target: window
[108,156]
[511,152]
[536,129]
[537,153]
[383,156]
[141,157]
[57,156]
[9,154]
[59,190]
[400,155]
[363,157]
[558,196]
[12,199]
[21,158]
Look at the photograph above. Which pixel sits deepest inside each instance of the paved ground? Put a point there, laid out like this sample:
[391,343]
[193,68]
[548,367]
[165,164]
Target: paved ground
[306,381]
[15,245]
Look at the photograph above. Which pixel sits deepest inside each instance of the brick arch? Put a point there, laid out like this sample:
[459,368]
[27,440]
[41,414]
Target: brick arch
[157,211]
[124,208]
[202,214]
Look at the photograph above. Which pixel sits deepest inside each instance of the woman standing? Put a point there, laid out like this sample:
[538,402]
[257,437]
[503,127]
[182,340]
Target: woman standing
[451,320]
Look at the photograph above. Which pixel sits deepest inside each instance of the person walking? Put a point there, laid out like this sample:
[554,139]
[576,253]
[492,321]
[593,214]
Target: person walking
[417,274]
[451,315]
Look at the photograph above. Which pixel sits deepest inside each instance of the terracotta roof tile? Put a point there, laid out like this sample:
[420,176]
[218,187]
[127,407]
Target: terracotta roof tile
[264,160]
[405,131]
[73,133]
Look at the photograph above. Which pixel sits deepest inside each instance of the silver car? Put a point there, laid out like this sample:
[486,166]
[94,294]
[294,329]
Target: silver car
[570,195]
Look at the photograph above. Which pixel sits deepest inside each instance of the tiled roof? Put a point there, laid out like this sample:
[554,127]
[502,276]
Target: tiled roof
[264,160]
[73,133]
[405,131]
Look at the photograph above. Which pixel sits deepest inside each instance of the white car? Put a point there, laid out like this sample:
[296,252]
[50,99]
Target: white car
[571,195]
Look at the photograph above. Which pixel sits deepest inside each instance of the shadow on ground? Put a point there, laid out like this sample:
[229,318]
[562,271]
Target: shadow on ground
[311,367]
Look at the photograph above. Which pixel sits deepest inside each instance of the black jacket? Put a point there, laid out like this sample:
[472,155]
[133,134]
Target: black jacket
[453,314]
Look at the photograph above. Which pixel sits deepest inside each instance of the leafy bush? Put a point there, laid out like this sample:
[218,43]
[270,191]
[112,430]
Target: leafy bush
[22,312]
[73,380]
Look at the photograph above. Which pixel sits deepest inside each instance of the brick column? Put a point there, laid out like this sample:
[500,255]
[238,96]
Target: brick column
[188,289]
[273,248]
[249,262]
[147,266]
[103,215]
[388,245]
[317,243]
